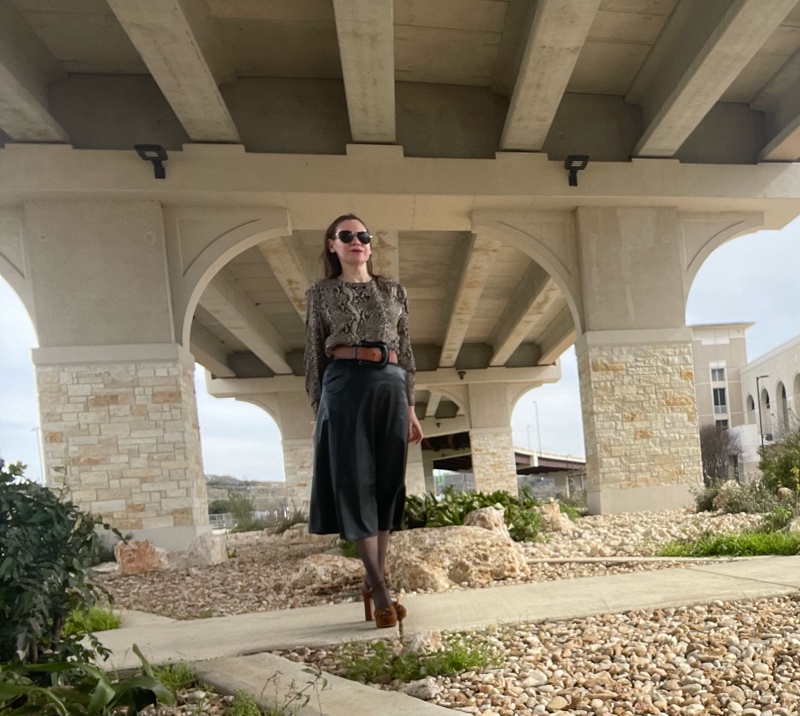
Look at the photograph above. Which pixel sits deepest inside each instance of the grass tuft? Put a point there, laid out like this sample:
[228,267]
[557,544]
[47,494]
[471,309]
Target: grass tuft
[88,622]
[245,705]
[176,676]
[378,662]
[742,544]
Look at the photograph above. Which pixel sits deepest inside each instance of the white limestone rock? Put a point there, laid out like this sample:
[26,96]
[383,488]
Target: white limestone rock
[489,518]
[325,570]
[435,559]
[425,689]
[553,519]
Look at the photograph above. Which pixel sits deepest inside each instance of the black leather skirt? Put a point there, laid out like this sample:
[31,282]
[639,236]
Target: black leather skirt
[360,450]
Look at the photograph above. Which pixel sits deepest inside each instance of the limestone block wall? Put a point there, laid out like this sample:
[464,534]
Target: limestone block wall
[639,417]
[298,466]
[127,435]
[493,460]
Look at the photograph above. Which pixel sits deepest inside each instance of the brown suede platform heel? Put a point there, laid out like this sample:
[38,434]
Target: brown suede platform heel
[386,617]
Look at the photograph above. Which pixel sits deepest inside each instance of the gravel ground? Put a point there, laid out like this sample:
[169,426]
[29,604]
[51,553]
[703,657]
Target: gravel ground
[260,577]
[739,657]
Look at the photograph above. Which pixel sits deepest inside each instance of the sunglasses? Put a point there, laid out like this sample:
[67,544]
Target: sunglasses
[347,236]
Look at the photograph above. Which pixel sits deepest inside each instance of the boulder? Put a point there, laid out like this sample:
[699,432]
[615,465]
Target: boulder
[299,534]
[488,518]
[438,558]
[138,556]
[553,519]
[203,551]
[794,525]
[326,570]
[785,495]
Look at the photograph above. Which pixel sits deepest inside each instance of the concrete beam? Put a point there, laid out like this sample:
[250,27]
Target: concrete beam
[534,293]
[26,68]
[286,266]
[701,51]
[366,47]
[425,380]
[780,102]
[557,337]
[178,43]
[232,307]
[210,352]
[432,427]
[555,40]
[478,260]
[433,404]
[386,254]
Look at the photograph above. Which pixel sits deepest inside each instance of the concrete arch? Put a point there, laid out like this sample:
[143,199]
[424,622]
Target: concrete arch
[21,288]
[796,396]
[781,407]
[268,409]
[765,407]
[563,268]
[272,224]
[520,394]
[705,233]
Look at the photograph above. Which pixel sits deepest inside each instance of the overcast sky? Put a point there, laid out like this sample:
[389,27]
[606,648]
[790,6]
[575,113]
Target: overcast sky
[752,278]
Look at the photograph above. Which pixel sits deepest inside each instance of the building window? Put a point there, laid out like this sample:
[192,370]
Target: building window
[718,375]
[722,423]
[720,401]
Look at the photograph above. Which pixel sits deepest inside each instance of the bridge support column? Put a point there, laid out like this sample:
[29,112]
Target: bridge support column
[491,440]
[120,432]
[295,420]
[415,471]
[427,466]
[635,362]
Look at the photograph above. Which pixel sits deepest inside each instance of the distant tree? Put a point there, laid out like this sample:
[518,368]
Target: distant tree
[717,446]
[219,507]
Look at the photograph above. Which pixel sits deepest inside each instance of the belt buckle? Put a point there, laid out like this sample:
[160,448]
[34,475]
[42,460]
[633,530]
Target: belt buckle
[384,349]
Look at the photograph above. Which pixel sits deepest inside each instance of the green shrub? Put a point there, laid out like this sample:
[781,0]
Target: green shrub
[451,509]
[348,547]
[755,497]
[369,663]
[777,519]
[46,549]
[241,509]
[77,688]
[741,544]
[219,507]
[780,463]
[95,619]
[282,524]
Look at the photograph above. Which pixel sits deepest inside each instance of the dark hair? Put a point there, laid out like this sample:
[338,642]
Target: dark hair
[330,261]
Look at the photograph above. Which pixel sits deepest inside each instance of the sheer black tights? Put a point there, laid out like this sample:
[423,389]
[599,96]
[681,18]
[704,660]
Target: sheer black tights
[372,551]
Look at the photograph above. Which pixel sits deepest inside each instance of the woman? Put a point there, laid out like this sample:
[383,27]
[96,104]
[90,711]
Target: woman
[360,381]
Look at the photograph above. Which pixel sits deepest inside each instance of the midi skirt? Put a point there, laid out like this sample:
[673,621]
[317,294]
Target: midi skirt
[360,448]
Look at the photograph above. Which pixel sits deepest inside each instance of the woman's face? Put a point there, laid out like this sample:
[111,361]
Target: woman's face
[354,254]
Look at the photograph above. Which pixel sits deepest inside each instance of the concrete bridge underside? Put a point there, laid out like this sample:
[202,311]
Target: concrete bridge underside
[445,125]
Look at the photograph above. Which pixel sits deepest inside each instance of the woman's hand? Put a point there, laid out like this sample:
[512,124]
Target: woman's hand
[414,428]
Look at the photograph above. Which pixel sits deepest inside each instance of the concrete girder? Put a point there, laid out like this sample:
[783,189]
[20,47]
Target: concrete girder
[557,337]
[366,47]
[534,293]
[210,352]
[433,404]
[478,260]
[178,43]
[26,68]
[700,52]
[556,37]
[231,306]
[780,102]
[446,379]
[285,264]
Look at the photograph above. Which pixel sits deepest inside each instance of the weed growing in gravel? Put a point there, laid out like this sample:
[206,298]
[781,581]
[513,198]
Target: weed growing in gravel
[245,705]
[96,619]
[176,676]
[380,662]
[741,544]
[348,547]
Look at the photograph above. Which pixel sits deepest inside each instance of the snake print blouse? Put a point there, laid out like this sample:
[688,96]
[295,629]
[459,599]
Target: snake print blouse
[340,313]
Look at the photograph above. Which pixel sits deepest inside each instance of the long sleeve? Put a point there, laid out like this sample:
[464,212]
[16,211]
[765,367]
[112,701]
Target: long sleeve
[405,356]
[314,358]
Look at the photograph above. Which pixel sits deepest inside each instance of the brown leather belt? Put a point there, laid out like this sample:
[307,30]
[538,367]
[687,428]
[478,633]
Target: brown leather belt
[373,355]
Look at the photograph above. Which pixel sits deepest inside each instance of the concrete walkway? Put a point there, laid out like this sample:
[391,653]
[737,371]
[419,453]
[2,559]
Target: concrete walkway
[229,648]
